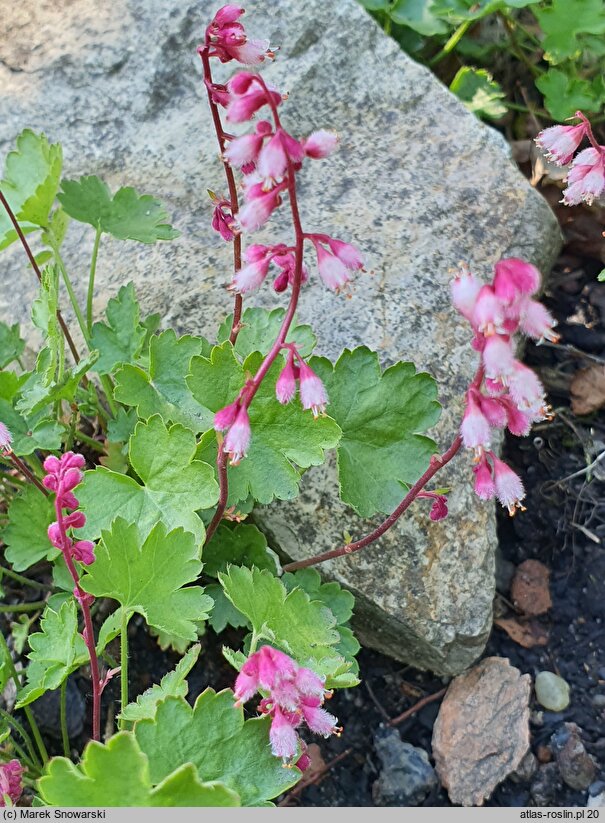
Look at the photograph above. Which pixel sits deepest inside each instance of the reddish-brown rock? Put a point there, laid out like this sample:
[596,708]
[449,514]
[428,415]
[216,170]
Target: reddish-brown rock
[530,590]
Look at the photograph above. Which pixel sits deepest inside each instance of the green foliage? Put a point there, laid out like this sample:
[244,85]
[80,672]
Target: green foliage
[304,628]
[161,387]
[173,487]
[381,414]
[260,328]
[172,684]
[148,575]
[458,11]
[564,94]
[31,432]
[56,651]
[25,537]
[479,93]
[121,338]
[44,317]
[418,15]
[11,344]
[117,774]
[242,545]
[37,393]
[564,22]
[214,736]
[30,182]
[285,439]
[127,215]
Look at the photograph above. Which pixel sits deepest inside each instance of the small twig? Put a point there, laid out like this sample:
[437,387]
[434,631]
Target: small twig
[376,702]
[24,469]
[591,535]
[7,608]
[586,470]
[316,778]
[430,698]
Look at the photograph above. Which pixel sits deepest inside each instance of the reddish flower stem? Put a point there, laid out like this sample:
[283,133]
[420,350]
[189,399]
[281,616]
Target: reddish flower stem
[89,633]
[36,268]
[237,240]
[589,132]
[25,470]
[435,465]
[223,483]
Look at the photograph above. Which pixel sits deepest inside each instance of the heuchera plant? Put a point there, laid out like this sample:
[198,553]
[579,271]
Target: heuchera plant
[131,468]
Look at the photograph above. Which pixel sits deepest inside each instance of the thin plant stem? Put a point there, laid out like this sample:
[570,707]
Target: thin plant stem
[108,390]
[89,631]
[223,484]
[38,273]
[90,441]
[509,25]
[91,280]
[25,470]
[26,709]
[126,615]
[17,608]
[64,733]
[12,721]
[231,185]
[71,293]
[451,44]
[25,581]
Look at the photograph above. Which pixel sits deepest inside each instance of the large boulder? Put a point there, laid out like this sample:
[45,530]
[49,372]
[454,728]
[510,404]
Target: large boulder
[419,184]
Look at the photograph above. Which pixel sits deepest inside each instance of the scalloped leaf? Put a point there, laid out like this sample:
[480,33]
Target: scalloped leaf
[26,535]
[381,414]
[214,736]
[121,338]
[149,575]
[172,488]
[117,774]
[259,329]
[242,545]
[285,439]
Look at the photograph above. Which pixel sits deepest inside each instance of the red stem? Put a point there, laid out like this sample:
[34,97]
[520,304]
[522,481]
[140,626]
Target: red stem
[89,634]
[589,132]
[25,470]
[36,268]
[237,240]
[221,465]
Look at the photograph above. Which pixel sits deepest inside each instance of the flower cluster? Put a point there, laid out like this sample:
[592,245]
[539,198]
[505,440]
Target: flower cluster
[11,784]
[293,695]
[63,475]
[507,394]
[586,177]
[312,391]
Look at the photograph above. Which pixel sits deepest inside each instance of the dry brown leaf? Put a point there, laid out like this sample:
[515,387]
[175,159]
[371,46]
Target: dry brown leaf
[527,634]
[529,590]
[588,390]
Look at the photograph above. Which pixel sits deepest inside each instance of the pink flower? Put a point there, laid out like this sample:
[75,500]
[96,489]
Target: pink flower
[285,388]
[5,438]
[475,429]
[332,270]
[348,255]
[247,97]
[245,149]
[560,142]
[219,93]
[439,508]
[229,40]
[485,487]
[465,288]
[320,144]
[222,219]
[11,783]
[509,488]
[525,389]
[488,312]
[498,357]
[259,206]
[518,422]
[251,277]
[275,155]
[317,719]
[282,735]
[536,321]
[237,438]
[586,180]
[513,278]
[84,551]
[304,761]
[494,411]
[312,391]
[226,417]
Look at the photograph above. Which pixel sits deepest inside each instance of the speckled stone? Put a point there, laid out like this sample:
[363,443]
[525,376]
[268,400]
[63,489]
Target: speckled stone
[418,184]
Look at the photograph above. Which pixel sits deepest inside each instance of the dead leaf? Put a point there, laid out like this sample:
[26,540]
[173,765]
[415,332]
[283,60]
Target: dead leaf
[318,764]
[529,590]
[588,390]
[528,633]
[481,734]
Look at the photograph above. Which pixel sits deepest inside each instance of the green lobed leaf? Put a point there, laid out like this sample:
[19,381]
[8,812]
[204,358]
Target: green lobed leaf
[162,387]
[117,774]
[259,330]
[172,684]
[285,439]
[418,15]
[149,575]
[11,344]
[214,736]
[479,92]
[127,215]
[381,415]
[304,628]
[563,21]
[33,432]
[457,11]
[121,338]
[37,394]
[564,94]
[56,651]
[44,317]
[26,535]
[30,182]
[242,545]
[223,612]
[172,488]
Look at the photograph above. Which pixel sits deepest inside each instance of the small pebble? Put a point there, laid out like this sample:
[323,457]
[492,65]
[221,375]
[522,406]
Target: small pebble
[576,766]
[544,754]
[552,691]
[599,701]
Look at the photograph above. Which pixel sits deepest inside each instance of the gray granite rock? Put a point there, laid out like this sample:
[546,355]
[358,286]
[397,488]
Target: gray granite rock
[418,184]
